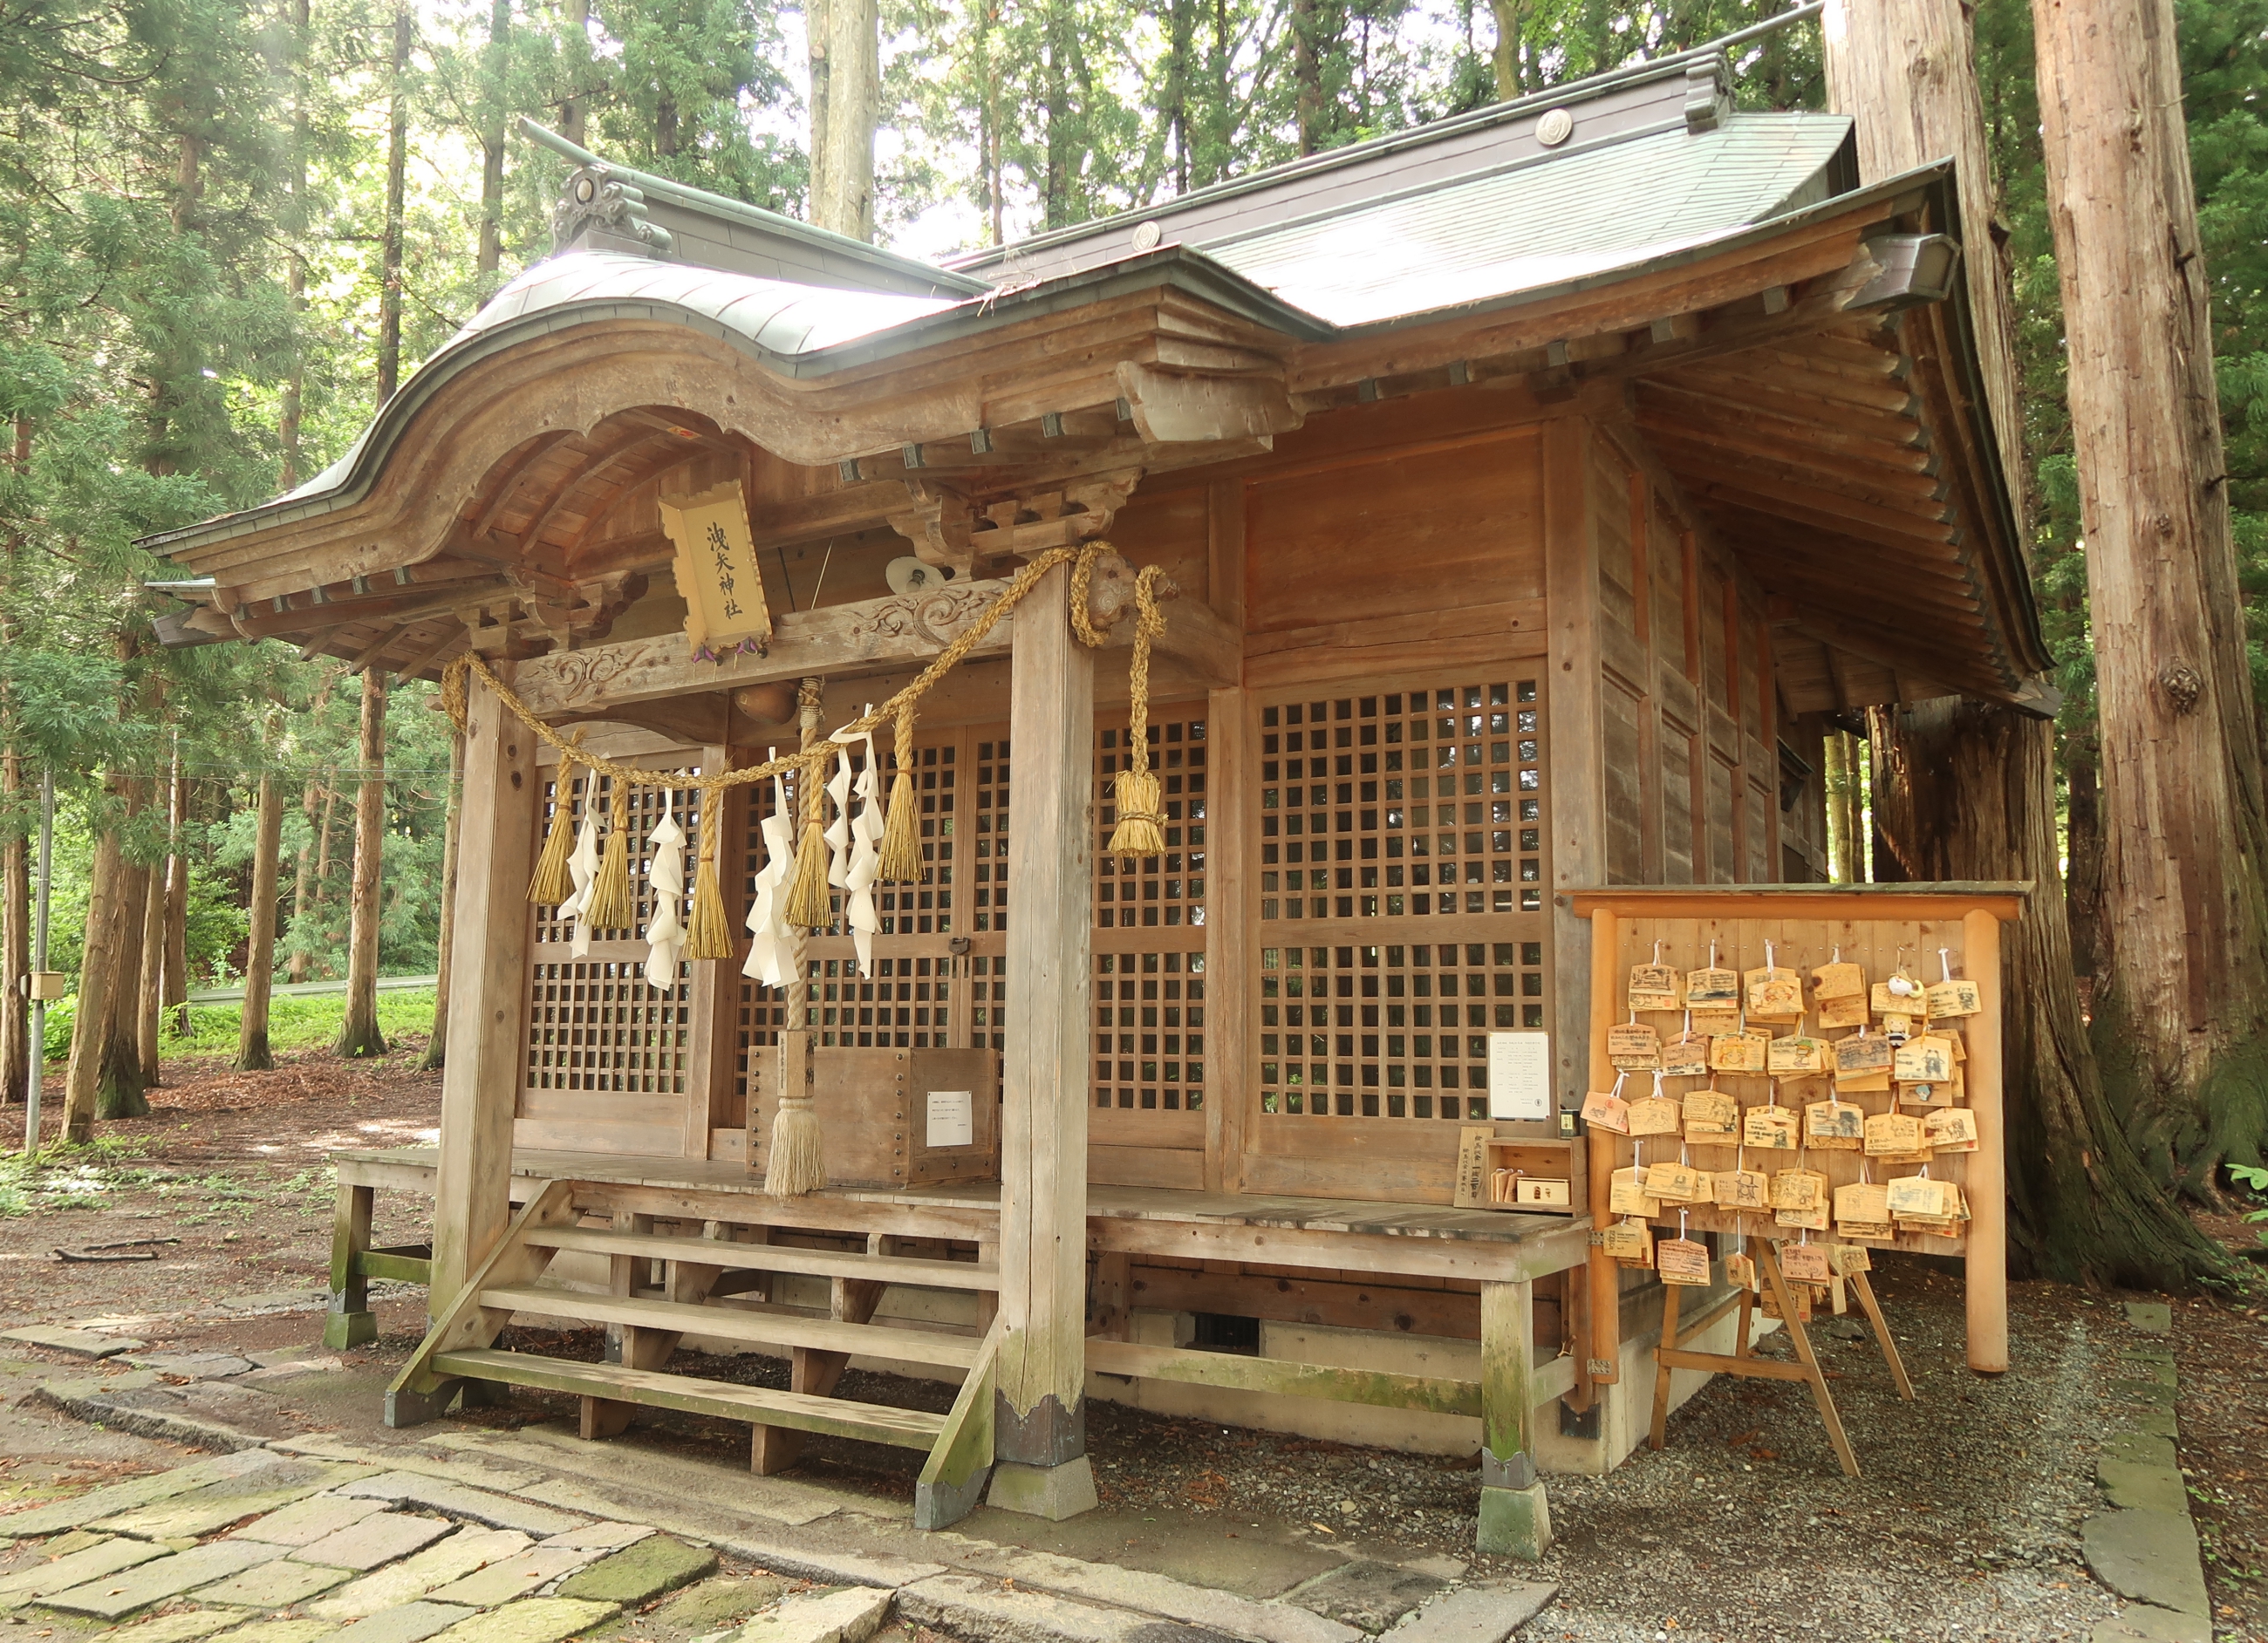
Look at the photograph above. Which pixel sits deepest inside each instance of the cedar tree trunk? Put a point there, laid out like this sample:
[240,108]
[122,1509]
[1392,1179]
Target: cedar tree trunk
[437,1047]
[1967,791]
[16,1053]
[2184,931]
[854,95]
[97,969]
[253,1055]
[359,1035]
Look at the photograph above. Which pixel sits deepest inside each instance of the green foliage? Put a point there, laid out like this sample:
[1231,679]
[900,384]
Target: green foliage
[2257,1178]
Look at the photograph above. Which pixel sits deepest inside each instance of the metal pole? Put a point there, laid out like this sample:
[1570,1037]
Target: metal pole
[39,1045]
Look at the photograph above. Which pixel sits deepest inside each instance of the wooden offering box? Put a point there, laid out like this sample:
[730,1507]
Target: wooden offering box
[1532,1174]
[892,1117]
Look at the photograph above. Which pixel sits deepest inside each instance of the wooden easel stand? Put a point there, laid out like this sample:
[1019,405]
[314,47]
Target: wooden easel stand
[1669,1355]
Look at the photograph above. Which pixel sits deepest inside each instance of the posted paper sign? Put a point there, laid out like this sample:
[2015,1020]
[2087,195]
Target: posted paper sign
[1520,1074]
[952,1118]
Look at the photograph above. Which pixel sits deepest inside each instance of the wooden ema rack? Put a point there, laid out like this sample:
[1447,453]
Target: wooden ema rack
[1876,926]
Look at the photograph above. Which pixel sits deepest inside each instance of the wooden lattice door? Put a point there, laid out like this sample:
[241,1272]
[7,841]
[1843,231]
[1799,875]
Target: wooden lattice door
[1399,840]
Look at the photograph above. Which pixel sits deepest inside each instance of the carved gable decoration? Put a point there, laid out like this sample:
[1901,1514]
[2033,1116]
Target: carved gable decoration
[717,571]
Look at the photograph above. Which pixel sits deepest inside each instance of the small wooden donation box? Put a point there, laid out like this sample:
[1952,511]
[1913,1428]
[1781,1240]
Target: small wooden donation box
[894,1118]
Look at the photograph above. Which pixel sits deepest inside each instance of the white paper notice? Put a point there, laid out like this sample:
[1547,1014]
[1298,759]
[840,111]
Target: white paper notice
[952,1118]
[1520,1074]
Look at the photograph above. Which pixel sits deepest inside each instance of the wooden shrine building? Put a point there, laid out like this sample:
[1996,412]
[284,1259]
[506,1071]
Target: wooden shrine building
[1533,486]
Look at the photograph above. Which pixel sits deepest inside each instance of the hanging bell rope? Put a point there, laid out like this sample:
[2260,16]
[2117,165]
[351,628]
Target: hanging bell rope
[1139,831]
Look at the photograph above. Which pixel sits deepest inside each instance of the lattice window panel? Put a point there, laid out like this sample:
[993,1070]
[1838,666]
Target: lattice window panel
[1400,839]
[906,1003]
[596,1025]
[990,819]
[1149,944]
[593,1023]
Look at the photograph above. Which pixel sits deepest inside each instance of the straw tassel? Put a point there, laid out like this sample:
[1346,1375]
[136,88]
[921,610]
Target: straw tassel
[709,933]
[553,883]
[1138,833]
[901,861]
[611,905]
[808,902]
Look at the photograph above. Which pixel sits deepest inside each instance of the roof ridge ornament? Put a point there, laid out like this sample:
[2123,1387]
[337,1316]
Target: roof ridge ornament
[1708,92]
[597,211]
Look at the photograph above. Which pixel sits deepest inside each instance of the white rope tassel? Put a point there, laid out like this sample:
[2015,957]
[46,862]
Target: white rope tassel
[798,1160]
[664,873]
[866,864]
[583,870]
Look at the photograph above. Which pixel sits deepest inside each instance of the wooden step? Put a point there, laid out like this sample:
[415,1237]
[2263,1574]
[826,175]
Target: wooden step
[763,1329]
[770,1257]
[877,1423]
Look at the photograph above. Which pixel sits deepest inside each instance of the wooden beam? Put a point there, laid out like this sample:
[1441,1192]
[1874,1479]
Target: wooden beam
[488,997]
[544,446]
[1688,447]
[1043,1364]
[866,637]
[1930,523]
[1987,1278]
[1891,444]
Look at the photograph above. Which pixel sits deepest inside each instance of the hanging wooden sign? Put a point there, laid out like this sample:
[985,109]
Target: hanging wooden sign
[1713,985]
[1626,1193]
[1741,1272]
[1682,1261]
[1628,1241]
[1953,998]
[1604,1111]
[1848,1260]
[1741,1189]
[1712,1118]
[1836,1013]
[1925,1060]
[1673,1182]
[1656,1115]
[1797,1057]
[1653,987]
[1838,980]
[1804,1262]
[1738,1054]
[717,575]
[1834,1125]
[1862,1210]
[1797,1189]
[1862,1061]
[1771,1128]
[1775,993]
[1633,1046]
[1950,1129]
[1686,1058]
[1717,1022]
[1893,1134]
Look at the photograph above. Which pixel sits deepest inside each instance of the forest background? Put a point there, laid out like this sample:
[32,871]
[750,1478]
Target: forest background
[227,228]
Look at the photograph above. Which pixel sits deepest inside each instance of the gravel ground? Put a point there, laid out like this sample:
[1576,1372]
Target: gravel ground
[2221,1348]
[1742,1528]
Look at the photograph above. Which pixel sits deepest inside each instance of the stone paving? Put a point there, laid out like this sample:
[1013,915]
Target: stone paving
[263,1547]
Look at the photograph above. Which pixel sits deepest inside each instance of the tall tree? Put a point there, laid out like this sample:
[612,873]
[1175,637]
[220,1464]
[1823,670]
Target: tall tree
[2183,1002]
[252,1051]
[359,1034]
[397,167]
[97,974]
[495,63]
[1967,791]
[436,1047]
[843,185]
[119,1092]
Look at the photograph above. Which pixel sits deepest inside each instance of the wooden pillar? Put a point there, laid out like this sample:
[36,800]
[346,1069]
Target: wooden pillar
[1041,1421]
[488,995]
[1988,1205]
[1515,1519]
[350,1322]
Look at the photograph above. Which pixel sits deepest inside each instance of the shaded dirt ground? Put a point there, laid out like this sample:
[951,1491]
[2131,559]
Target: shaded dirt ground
[1742,1528]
